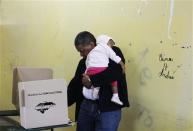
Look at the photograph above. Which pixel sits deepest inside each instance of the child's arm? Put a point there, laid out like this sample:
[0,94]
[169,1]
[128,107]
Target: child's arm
[118,52]
[113,56]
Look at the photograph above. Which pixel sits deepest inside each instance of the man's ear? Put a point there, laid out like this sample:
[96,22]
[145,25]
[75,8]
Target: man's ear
[92,44]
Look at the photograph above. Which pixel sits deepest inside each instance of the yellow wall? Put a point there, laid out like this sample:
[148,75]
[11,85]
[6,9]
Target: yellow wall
[41,34]
[0,64]
[0,52]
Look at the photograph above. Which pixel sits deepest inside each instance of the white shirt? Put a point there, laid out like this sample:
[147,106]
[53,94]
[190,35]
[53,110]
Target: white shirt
[88,93]
[99,56]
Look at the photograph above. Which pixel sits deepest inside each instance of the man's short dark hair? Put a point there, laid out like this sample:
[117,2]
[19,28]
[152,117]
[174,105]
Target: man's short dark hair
[84,37]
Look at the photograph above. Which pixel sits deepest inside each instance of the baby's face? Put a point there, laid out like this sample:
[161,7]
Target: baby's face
[111,43]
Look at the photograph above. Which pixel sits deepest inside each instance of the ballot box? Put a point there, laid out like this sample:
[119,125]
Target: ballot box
[43,103]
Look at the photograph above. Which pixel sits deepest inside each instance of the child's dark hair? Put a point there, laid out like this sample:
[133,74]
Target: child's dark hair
[84,37]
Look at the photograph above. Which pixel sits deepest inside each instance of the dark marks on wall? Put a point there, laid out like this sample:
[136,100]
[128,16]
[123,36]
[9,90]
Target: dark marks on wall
[145,115]
[145,75]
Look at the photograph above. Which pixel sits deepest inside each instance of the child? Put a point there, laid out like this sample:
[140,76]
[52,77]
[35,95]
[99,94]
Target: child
[98,60]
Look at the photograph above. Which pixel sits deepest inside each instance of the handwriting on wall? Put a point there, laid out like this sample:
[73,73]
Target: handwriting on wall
[165,71]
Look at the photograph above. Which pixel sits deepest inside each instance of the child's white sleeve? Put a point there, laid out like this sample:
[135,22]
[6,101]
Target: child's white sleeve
[112,55]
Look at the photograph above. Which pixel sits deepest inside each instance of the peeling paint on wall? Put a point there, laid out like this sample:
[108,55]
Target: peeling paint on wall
[170,18]
[142,4]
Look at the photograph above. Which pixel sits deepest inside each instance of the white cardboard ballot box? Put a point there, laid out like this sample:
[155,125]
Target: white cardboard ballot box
[43,103]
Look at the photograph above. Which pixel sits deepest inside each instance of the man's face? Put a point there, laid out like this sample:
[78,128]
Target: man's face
[84,49]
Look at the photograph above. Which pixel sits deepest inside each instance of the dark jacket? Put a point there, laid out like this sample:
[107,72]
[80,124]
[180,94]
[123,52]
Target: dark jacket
[103,80]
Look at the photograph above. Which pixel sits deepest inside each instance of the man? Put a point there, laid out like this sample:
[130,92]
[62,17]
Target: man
[94,114]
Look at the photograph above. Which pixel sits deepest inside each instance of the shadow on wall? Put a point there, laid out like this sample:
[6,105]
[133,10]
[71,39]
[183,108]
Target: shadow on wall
[131,113]
[137,78]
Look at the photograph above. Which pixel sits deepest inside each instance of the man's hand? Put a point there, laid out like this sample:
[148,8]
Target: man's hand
[86,81]
[122,66]
[123,69]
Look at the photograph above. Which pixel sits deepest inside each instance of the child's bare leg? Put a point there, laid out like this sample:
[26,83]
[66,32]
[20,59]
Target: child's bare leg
[115,89]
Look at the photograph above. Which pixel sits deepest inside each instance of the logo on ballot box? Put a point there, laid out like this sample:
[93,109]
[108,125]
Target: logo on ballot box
[44,106]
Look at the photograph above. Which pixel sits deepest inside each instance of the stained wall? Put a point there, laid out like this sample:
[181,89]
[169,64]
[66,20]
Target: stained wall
[155,37]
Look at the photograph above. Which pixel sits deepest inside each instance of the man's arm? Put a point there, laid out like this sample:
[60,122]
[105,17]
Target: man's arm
[112,73]
[74,90]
